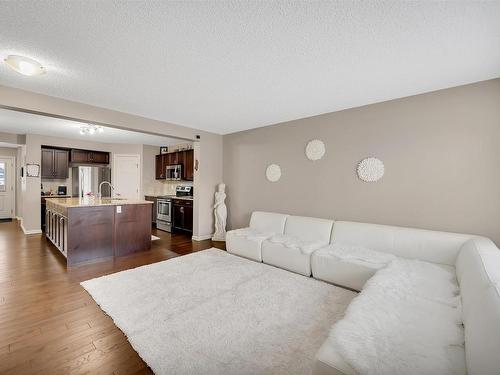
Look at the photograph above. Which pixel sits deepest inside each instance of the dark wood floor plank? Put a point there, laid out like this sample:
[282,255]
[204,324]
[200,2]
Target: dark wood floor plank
[48,322]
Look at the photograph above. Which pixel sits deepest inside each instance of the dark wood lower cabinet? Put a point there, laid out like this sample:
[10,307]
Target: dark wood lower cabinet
[132,229]
[87,234]
[182,215]
[155,207]
[90,233]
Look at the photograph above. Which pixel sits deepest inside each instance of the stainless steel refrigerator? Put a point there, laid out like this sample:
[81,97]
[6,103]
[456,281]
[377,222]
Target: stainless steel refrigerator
[86,180]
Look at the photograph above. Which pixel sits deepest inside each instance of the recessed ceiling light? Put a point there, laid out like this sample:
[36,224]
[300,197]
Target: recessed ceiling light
[25,65]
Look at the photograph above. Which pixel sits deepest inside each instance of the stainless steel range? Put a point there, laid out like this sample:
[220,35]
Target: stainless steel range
[164,213]
[164,207]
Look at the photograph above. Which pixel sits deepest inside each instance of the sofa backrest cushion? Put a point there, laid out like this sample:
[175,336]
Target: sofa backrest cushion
[268,222]
[411,243]
[309,228]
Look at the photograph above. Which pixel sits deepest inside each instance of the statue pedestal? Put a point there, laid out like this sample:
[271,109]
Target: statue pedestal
[219,238]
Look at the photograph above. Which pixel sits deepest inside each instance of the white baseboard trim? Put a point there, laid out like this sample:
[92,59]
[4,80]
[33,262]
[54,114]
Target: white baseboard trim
[19,218]
[202,238]
[31,231]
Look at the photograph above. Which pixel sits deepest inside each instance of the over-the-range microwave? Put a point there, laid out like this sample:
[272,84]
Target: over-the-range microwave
[174,172]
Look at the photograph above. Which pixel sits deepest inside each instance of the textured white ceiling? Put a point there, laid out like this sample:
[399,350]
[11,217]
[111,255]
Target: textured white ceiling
[231,65]
[26,123]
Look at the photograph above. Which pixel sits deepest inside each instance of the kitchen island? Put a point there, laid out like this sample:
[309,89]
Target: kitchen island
[91,229]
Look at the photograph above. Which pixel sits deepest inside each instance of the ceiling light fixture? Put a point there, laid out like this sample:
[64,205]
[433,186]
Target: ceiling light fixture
[25,65]
[91,129]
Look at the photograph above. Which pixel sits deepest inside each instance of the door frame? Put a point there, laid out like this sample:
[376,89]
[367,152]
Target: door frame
[13,175]
[139,168]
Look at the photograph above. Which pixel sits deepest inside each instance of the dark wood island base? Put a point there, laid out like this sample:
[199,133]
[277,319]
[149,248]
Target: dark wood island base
[90,230]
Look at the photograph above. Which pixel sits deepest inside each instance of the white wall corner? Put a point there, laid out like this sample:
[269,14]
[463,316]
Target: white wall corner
[30,231]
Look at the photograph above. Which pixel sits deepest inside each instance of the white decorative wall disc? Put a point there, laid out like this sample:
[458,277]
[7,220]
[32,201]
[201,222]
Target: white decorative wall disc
[273,172]
[370,169]
[315,149]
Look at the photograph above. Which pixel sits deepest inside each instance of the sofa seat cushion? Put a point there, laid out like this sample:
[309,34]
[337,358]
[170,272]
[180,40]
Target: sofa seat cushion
[292,257]
[348,266]
[246,242]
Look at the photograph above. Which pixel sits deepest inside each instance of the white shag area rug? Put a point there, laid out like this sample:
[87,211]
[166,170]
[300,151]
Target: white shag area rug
[215,313]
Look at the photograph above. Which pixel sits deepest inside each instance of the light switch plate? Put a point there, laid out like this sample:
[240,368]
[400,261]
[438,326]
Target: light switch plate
[118,209]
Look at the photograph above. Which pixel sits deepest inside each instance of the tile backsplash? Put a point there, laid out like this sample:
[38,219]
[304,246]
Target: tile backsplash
[51,185]
[163,187]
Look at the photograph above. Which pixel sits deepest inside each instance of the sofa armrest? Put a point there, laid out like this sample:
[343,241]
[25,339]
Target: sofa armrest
[329,362]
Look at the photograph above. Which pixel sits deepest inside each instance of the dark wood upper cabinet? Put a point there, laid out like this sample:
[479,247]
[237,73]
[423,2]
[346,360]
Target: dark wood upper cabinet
[47,163]
[189,165]
[79,156]
[89,157]
[173,158]
[160,167]
[61,163]
[186,158]
[99,157]
[55,163]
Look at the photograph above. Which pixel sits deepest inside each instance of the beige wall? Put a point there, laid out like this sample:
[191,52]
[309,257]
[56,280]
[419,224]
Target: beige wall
[12,138]
[8,151]
[208,149]
[441,152]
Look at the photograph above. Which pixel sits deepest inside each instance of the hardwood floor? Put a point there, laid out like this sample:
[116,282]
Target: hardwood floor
[48,322]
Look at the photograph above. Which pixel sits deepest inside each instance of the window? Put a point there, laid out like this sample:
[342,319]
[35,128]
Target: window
[3,183]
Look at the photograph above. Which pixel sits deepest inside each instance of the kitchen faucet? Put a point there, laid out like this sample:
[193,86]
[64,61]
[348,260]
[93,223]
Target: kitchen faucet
[99,192]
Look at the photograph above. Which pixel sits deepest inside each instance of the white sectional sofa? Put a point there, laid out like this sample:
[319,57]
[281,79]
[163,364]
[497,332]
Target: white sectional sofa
[474,260]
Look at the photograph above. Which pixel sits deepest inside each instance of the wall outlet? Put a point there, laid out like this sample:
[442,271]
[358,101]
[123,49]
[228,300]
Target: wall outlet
[118,209]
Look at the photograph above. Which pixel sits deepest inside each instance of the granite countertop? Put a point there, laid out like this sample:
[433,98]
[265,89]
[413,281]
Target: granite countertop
[93,202]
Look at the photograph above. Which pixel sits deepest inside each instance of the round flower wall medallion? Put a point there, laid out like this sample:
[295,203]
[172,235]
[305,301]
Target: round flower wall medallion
[371,169]
[315,149]
[273,172]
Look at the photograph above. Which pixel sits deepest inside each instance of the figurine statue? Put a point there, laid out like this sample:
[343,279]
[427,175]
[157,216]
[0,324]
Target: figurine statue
[220,212]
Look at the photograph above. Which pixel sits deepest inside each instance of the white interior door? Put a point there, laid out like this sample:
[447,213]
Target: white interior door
[7,194]
[127,175]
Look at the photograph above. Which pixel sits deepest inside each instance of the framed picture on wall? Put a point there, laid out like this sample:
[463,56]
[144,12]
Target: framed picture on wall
[163,149]
[32,170]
